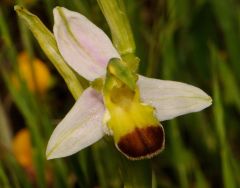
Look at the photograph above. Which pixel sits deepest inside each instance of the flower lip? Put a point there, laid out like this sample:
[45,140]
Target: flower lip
[142,143]
[80,128]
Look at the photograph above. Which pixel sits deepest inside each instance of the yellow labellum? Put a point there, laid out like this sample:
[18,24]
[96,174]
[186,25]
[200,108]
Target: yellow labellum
[136,131]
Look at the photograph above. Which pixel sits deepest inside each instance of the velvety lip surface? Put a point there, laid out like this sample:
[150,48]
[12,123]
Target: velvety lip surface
[142,142]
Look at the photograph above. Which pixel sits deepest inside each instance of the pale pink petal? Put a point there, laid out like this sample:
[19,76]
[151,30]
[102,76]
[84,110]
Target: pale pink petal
[81,127]
[85,47]
[172,99]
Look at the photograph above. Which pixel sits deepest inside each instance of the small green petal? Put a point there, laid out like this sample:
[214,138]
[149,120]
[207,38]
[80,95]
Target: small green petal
[117,68]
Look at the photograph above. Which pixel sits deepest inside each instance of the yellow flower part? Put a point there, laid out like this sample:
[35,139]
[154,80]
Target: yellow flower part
[22,148]
[38,79]
[136,130]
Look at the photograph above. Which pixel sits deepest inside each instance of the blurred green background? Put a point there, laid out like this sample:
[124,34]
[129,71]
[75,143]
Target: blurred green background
[192,41]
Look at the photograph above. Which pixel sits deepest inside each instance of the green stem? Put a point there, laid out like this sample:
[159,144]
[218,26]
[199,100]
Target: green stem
[5,132]
[3,178]
[227,170]
[136,174]
[5,35]
[119,25]
[178,150]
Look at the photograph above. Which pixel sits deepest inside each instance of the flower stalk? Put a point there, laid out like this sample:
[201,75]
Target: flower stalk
[119,25]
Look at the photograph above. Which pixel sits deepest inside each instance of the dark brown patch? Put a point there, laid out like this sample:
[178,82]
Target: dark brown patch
[142,142]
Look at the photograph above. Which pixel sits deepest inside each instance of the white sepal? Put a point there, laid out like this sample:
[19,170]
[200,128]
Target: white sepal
[81,127]
[172,99]
[84,46]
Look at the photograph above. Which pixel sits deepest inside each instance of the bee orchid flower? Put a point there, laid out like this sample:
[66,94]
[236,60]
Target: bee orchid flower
[125,105]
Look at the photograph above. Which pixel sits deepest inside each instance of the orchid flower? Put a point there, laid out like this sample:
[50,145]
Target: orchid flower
[118,102]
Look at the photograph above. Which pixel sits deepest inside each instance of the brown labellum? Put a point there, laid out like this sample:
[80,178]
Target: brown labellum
[142,142]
